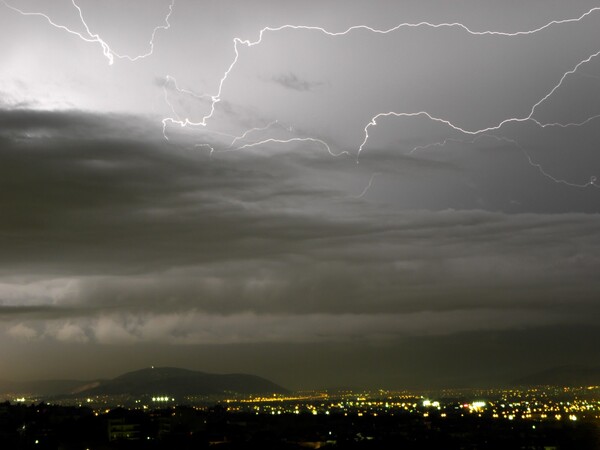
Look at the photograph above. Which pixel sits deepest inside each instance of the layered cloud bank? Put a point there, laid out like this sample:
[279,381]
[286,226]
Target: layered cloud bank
[112,237]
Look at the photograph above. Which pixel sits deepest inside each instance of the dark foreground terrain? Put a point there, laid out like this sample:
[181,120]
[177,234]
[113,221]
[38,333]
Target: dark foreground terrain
[76,428]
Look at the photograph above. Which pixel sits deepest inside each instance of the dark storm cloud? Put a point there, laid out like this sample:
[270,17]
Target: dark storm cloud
[148,233]
[292,81]
[474,260]
[196,328]
[38,311]
[18,124]
[103,206]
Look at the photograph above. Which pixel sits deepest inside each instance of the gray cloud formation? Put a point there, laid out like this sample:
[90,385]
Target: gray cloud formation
[196,328]
[292,81]
[117,224]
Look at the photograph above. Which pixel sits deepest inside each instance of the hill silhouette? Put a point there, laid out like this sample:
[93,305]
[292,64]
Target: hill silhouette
[178,382]
[153,381]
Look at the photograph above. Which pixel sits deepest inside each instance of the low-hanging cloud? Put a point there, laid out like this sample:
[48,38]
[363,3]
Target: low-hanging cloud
[107,225]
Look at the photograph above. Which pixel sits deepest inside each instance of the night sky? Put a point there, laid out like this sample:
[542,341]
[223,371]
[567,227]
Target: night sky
[294,231]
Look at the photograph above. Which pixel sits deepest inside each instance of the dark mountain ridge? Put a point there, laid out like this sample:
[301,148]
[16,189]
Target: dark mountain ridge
[153,381]
[174,381]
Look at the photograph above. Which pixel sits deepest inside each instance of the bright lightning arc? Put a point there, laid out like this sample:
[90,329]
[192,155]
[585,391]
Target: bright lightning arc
[110,54]
[248,43]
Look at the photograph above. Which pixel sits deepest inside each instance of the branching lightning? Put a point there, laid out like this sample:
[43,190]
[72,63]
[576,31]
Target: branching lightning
[91,37]
[252,130]
[248,43]
[527,118]
[214,99]
[296,139]
[237,42]
[590,183]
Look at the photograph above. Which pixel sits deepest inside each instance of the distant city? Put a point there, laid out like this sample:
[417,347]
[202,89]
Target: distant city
[542,403]
[541,417]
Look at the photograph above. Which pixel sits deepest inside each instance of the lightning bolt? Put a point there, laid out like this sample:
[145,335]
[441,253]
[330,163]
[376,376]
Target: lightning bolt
[171,83]
[295,139]
[216,98]
[110,54]
[237,42]
[527,118]
[210,147]
[90,37]
[252,130]
[367,187]
[539,124]
[170,80]
[532,163]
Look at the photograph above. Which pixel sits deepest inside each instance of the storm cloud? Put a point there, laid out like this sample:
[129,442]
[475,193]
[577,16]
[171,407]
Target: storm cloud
[122,225]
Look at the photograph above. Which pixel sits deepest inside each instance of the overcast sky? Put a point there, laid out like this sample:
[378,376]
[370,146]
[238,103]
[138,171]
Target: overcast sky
[297,234]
